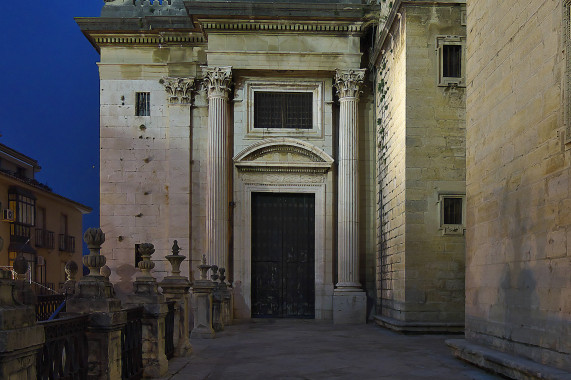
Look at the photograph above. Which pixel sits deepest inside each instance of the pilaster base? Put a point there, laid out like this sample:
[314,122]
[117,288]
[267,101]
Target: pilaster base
[349,307]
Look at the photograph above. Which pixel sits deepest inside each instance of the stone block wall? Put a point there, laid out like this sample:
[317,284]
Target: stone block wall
[435,166]
[145,160]
[420,158]
[390,90]
[518,288]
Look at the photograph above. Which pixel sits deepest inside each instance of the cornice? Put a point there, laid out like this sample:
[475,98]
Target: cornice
[148,39]
[281,26]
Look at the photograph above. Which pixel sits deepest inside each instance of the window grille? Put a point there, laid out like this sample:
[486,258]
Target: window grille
[452,58]
[143,104]
[452,210]
[283,110]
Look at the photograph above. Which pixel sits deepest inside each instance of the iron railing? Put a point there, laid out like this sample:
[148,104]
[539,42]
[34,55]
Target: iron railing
[132,345]
[64,353]
[47,304]
[66,243]
[44,238]
[169,330]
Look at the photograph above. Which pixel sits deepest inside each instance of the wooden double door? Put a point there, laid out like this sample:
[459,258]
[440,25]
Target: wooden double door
[283,255]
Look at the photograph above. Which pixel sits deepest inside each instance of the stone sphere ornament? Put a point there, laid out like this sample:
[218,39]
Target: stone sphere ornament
[71,269]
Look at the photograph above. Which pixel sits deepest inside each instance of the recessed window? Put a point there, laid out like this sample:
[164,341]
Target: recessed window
[293,110]
[452,60]
[143,104]
[452,209]
[451,69]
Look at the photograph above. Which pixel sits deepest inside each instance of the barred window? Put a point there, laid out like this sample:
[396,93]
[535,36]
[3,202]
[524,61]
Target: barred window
[283,110]
[143,104]
[450,55]
[452,58]
[452,210]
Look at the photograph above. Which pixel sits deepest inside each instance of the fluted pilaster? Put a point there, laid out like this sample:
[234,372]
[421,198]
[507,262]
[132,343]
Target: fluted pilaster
[217,81]
[347,83]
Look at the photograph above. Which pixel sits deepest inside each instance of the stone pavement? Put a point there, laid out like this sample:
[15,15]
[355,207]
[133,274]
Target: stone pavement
[309,349]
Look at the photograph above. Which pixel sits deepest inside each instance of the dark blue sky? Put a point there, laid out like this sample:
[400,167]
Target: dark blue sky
[49,103]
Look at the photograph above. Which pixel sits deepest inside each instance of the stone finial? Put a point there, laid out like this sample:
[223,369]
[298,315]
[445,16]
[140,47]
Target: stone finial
[217,81]
[20,267]
[105,271]
[146,265]
[214,275]
[347,82]
[94,237]
[179,90]
[222,274]
[175,259]
[71,269]
[204,268]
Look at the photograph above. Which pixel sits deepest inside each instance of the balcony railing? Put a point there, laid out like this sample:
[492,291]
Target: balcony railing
[66,243]
[44,238]
[47,305]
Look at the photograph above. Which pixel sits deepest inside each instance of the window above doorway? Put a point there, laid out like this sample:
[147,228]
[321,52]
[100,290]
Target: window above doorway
[284,108]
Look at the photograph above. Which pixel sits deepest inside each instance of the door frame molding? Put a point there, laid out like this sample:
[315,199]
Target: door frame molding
[243,261]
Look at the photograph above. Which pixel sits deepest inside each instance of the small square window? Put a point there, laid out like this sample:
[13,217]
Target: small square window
[452,211]
[452,208]
[451,68]
[143,104]
[452,61]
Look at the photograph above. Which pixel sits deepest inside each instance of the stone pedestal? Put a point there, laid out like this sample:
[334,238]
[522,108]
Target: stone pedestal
[349,302]
[202,292]
[349,307]
[176,289]
[155,363]
[20,338]
[95,297]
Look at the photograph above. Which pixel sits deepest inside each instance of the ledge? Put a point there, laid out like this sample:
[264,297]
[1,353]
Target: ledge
[419,327]
[502,363]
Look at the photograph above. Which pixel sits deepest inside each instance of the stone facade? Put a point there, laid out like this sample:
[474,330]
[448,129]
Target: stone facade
[518,288]
[188,169]
[420,161]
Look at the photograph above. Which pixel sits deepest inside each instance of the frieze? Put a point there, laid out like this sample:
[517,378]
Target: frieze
[285,179]
[179,90]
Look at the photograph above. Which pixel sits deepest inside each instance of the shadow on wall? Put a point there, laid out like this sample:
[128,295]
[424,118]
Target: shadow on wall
[126,274]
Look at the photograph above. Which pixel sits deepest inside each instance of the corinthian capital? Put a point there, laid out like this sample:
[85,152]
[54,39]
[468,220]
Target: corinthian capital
[348,82]
[179,90]
[217,81]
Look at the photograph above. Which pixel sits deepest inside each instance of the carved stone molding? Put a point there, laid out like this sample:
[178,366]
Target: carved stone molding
[348,82]
[217,81]
[283,155]
[179,90]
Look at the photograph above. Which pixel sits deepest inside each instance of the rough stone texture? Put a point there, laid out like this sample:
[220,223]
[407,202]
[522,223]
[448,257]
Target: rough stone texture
[349,307]
[420,137]
[518,262]
[20,338]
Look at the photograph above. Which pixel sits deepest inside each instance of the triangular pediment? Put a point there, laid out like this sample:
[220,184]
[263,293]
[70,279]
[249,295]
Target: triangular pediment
[283,154]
